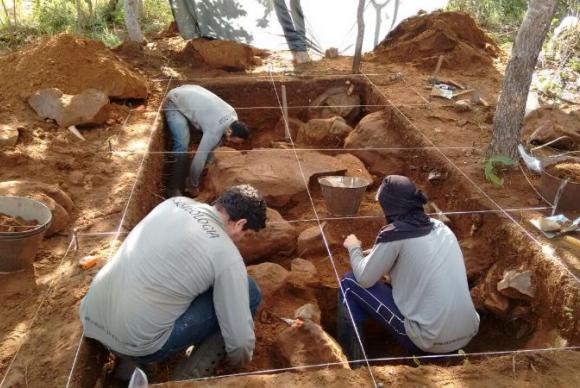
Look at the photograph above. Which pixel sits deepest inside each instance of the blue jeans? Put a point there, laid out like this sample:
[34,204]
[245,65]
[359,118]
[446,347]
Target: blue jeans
[293,26]
[376,303]
[178,126]
[197,323]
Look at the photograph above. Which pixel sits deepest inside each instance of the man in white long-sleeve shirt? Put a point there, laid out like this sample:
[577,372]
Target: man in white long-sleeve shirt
[206,112]
[177,280]
[427,306]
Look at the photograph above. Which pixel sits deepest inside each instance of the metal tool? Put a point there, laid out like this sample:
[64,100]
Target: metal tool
[532,163]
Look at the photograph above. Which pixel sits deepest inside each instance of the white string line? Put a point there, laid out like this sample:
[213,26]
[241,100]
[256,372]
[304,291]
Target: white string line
[386,359]
[237,108]
[549,257]
[344,150]
[40,304]
[326,244]
[533,187]
[377,216]
[122,221]
[226,78]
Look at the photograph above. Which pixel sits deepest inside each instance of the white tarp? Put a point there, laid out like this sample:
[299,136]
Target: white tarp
[329,23]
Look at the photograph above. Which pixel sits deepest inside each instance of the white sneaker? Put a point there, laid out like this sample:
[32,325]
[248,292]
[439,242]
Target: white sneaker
[300,57]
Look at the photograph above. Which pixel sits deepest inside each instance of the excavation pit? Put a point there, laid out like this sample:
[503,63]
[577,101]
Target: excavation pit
[492,245]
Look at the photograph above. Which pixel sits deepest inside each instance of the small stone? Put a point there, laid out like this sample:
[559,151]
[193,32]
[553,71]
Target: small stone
[76,178]
[270,278]
[308,344]
[436,176]
[308,312]
[517,284]
[462,106]
[8,137]
[331,53]
[303,274]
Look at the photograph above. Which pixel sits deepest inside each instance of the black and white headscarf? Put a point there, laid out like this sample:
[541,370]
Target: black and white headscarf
[402,204]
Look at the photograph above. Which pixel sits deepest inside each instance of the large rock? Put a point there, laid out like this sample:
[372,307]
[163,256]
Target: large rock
[355,167]
[378,130]
[310,241]
[336,101]
[278,239]
[295,126]
[303,274]
[270,277]
[307,344]
[324,132]
[277,177]
[69,109]
[52,196]
[8,136]
[517,284]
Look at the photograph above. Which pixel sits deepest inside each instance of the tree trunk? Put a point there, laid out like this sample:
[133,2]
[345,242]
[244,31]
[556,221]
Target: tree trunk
[359,37]
[510,110]
[79,17]
[7,14]
[15,4]
[132,21]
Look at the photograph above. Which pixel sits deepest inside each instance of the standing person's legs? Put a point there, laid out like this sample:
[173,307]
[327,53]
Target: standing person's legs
[298,18]
[180,136]
[377,303]
[295,43]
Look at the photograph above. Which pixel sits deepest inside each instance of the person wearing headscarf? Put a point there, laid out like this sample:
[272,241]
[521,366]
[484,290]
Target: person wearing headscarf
[413,281]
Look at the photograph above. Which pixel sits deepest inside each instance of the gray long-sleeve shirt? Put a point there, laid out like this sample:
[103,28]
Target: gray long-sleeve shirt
[177,252]
[429,287]
[206,112]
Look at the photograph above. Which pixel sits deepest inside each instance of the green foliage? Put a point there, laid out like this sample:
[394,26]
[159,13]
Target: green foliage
[574,64]
[502,18]
[98,21]
[53,16]
[492,165]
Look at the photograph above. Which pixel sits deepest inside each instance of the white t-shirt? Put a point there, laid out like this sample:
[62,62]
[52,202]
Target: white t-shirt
[429,287]
[177,252]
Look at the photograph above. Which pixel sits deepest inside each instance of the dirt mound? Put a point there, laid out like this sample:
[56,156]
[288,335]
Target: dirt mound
[422,39]
[70,64]
[220,54]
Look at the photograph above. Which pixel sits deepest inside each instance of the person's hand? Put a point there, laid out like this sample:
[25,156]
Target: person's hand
[351,241]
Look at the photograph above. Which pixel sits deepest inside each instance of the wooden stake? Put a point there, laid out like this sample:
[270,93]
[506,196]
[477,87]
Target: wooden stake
[285,114]
[439,62]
